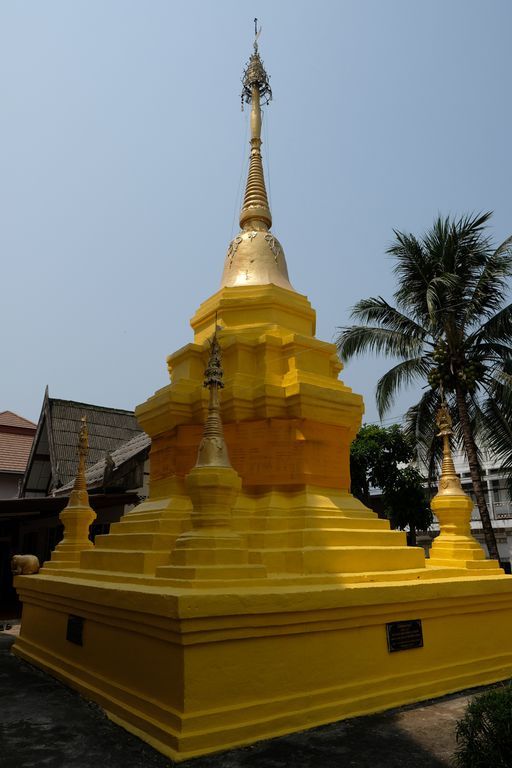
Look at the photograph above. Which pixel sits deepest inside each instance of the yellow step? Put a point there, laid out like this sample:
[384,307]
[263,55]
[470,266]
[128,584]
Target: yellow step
[116,560]
[137,541]
[325,537]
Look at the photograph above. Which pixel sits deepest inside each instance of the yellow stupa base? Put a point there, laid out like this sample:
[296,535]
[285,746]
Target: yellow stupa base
[210,656]
[192,672]
[283,625]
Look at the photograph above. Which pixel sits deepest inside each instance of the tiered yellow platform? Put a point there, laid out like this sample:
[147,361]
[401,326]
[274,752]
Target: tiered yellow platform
[255,596]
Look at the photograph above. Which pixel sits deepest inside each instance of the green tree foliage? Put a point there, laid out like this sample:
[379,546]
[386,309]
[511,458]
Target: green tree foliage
[484,735]
[380,457]
[451,331]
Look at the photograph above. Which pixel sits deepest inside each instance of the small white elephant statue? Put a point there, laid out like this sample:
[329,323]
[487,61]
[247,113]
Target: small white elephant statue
[24,565]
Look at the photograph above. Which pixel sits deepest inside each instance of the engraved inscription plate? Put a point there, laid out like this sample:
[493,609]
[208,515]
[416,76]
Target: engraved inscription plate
[404,635]
[74,631]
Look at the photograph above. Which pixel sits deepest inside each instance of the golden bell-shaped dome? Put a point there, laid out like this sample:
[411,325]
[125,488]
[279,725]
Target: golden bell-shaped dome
[255,258]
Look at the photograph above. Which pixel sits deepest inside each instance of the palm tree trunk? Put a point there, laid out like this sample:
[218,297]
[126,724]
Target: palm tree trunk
[476,474]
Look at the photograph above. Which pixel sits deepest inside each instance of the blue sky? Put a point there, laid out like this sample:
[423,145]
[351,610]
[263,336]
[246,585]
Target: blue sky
[122,147]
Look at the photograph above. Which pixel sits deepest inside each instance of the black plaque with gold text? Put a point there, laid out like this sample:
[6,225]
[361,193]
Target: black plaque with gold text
[74,630]
[404,635]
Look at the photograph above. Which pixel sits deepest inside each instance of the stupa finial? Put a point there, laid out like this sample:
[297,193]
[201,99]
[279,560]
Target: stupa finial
[83,447]
[212,448]
[449,482]
[255,75]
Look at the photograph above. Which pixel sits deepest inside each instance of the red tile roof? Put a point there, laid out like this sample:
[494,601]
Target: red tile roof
[14,451]
[10,419]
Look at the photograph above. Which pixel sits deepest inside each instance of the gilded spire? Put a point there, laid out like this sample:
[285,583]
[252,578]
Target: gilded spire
[449,482]
[255,213]
[83,447]
[212,448]
[255,256]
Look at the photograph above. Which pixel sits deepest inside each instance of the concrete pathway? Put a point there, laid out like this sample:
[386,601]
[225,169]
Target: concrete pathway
[44,723]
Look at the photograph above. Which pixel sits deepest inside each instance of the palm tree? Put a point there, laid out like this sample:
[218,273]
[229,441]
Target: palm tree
[451,328]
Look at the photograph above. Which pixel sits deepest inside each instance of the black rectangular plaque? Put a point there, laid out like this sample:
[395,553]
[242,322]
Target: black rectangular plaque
[74,631]
[404,635]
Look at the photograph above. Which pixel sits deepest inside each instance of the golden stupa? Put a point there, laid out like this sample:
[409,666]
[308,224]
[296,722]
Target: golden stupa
[251,595]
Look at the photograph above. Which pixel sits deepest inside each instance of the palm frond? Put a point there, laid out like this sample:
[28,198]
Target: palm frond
[421,429]
[491,288]
[400,375]
[413,271]
[497,328]
[497,426]
[477,424]
[442,295]
[456,244]
[377,310]
[357,339]
[442,268]
[499,406]
[490,352]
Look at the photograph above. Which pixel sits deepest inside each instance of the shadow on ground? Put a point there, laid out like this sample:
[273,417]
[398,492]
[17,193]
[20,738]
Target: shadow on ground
[44,723]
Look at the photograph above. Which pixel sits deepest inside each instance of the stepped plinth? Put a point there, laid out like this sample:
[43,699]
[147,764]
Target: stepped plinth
[254,596]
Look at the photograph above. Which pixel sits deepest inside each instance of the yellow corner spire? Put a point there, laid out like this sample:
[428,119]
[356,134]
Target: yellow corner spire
[76,517]
[449,482]
[255,256]
[455,546]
